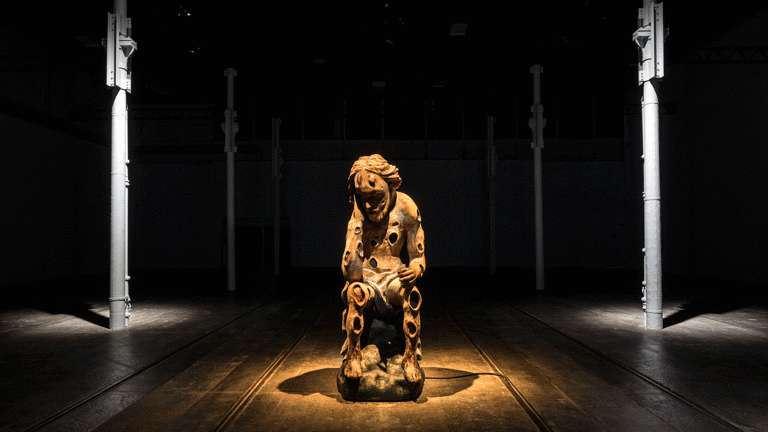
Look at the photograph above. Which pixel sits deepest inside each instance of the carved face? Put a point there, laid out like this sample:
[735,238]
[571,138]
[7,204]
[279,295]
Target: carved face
[374,194]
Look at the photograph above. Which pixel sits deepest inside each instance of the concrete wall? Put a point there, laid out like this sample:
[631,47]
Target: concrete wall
[716,170]
[55,191]
[56,198]
[179,208]
[55,204]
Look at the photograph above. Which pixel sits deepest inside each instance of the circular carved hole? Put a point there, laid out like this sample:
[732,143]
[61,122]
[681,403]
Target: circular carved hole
[411,327]
[373,262]
[393,238]
[414,300]
[357,230]
[373,243]
[357,324]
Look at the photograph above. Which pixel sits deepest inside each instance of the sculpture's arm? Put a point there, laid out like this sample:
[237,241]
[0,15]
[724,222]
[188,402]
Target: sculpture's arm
[352,261]
[415,246]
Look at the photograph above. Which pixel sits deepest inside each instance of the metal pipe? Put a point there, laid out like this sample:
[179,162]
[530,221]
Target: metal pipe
[277,162]
[118,252]
[650,39]
[229,148]
[127,183]
[491,195]
[652,206]
[537,125]
[539,222]
[117,236]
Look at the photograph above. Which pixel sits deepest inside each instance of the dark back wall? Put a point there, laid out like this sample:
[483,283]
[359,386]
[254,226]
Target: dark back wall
[55,192]
[179,209]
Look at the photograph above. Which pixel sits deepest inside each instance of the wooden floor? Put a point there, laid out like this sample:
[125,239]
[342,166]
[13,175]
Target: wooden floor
[528,361]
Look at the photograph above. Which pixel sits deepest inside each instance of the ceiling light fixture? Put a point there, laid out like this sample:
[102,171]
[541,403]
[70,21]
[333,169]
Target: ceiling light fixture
[458,29]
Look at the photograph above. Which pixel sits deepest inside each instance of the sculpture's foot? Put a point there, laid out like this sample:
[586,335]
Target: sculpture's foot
[414,375]
[353,369]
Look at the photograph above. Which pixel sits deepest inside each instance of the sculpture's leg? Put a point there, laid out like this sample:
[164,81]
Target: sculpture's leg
[412,330]
[358,297]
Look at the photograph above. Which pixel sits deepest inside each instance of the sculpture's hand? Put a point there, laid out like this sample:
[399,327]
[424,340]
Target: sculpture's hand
[408,276]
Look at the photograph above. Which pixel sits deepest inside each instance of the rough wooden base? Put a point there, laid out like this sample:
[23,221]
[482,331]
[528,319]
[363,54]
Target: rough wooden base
[382,380]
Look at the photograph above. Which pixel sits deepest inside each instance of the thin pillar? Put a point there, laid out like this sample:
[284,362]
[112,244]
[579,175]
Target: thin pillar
[230,129]
[277,162]
[120,47]
[119,176]
[652,207]
[650,39]
[537,124]
[491,195]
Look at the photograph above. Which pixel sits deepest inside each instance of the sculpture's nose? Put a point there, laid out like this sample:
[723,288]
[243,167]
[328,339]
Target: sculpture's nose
[368,184]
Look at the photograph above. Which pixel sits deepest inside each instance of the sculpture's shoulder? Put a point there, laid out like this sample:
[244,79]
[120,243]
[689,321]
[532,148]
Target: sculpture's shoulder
[405,201]
[407,209]
[357,215]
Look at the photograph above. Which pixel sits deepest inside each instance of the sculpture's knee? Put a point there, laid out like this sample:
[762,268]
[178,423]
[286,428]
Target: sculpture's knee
[359,294]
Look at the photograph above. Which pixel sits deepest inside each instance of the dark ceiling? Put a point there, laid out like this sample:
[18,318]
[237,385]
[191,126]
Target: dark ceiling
[286,51]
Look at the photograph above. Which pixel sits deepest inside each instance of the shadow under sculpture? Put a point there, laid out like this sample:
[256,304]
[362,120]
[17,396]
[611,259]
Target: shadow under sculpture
[383,258]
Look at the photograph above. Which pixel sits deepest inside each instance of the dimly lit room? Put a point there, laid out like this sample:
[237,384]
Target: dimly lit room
[386,215]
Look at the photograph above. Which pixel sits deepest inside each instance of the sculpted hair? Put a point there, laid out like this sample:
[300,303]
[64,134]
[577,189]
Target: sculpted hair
[378,165]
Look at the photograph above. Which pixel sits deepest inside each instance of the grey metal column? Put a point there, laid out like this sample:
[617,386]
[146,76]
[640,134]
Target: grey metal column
[119,47]
[537,123]
[650,38]
[117,260]
[230,129]
[491,156]
[127,183]
[277,163]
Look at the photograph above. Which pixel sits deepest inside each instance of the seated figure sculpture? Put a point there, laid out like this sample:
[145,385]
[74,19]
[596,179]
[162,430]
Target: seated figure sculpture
[383,258]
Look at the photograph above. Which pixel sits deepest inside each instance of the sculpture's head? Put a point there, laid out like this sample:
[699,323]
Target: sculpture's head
[373,182]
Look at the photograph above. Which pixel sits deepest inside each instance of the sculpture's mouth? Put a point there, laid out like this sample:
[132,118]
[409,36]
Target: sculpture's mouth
[375,205]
